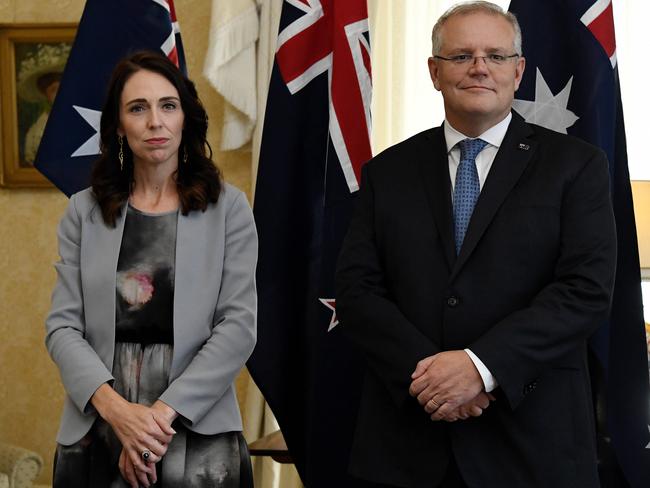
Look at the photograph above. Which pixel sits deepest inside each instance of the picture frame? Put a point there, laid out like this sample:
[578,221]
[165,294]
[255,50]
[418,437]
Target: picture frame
[33,57]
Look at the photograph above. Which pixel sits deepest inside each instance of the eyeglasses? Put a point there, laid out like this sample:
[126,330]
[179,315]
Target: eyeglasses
[493,59]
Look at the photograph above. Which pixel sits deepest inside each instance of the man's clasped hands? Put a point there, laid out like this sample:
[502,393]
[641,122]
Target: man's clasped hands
[449,387]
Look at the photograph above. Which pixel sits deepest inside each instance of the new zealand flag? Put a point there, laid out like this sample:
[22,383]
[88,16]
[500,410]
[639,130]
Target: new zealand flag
[315,140]
[108,31]
[571,85]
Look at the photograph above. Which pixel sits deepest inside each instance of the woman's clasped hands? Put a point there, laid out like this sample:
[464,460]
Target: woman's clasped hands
[144,432]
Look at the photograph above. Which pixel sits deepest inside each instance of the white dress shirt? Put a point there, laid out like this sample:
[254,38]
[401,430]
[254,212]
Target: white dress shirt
[494,137]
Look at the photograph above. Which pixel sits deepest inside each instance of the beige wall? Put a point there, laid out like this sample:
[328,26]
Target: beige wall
[30,391]
[641,195]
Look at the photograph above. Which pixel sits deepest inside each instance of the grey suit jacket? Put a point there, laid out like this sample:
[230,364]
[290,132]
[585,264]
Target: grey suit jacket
[215,307]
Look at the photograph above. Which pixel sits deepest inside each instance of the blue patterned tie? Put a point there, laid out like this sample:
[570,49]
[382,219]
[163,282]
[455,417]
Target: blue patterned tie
[467,187]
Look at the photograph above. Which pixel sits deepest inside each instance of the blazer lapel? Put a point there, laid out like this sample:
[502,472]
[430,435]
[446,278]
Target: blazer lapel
[189,272]
[435,172]
[515,153]
[103,243]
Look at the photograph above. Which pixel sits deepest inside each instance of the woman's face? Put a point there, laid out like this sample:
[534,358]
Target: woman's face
[151,119]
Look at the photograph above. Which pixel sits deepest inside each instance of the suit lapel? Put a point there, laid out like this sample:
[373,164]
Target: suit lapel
[435,172]
[515,153]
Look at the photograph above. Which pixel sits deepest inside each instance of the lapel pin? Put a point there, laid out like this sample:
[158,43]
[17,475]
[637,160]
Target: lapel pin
[524,147]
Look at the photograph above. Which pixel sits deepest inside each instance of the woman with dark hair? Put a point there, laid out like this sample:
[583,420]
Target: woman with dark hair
[154,309]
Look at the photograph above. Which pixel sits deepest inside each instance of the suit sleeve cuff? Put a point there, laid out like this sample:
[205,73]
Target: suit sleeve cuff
[489,381]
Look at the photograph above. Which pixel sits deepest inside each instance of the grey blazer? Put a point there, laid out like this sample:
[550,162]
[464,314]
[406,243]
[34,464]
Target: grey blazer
[215,306]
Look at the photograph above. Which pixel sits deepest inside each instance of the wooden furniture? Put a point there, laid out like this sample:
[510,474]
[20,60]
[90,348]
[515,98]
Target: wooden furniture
[271,445]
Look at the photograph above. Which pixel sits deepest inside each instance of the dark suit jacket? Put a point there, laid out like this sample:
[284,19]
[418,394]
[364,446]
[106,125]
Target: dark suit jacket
[532,281]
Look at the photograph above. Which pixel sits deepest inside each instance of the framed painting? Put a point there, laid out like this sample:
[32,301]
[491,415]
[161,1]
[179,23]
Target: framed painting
[33,58]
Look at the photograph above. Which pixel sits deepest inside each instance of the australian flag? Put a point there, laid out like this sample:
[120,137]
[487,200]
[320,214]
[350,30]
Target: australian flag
[316,138]
[108,31]
[571,85]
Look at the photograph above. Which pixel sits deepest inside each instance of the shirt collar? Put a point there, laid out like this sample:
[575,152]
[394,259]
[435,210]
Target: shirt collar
[493,136]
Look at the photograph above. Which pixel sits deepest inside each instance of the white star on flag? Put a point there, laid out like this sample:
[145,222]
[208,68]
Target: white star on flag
[331,304]
[91,146]
[547,110]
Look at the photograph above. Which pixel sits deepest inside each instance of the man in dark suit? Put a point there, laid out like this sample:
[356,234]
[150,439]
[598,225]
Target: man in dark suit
[479,260]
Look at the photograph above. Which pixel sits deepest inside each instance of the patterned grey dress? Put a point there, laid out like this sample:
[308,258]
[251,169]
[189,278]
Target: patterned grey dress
[144,338]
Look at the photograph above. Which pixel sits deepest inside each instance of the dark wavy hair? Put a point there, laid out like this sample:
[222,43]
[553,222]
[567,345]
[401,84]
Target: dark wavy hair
[198,180]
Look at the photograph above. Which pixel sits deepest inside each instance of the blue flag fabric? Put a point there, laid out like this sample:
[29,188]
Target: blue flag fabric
[108,31]
[571,85]
[315,139]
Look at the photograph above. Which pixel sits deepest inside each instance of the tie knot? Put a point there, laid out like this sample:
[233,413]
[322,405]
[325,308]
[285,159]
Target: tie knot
[469,148]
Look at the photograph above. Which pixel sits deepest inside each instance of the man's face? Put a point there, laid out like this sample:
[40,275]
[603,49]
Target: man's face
[477,95]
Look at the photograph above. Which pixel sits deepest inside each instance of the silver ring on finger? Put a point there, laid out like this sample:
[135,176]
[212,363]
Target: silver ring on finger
[145,455]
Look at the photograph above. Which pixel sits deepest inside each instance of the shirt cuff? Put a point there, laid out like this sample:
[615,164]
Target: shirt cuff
[489,381]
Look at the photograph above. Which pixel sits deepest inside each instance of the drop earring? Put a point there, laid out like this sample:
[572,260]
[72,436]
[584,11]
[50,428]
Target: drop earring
[120,155]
